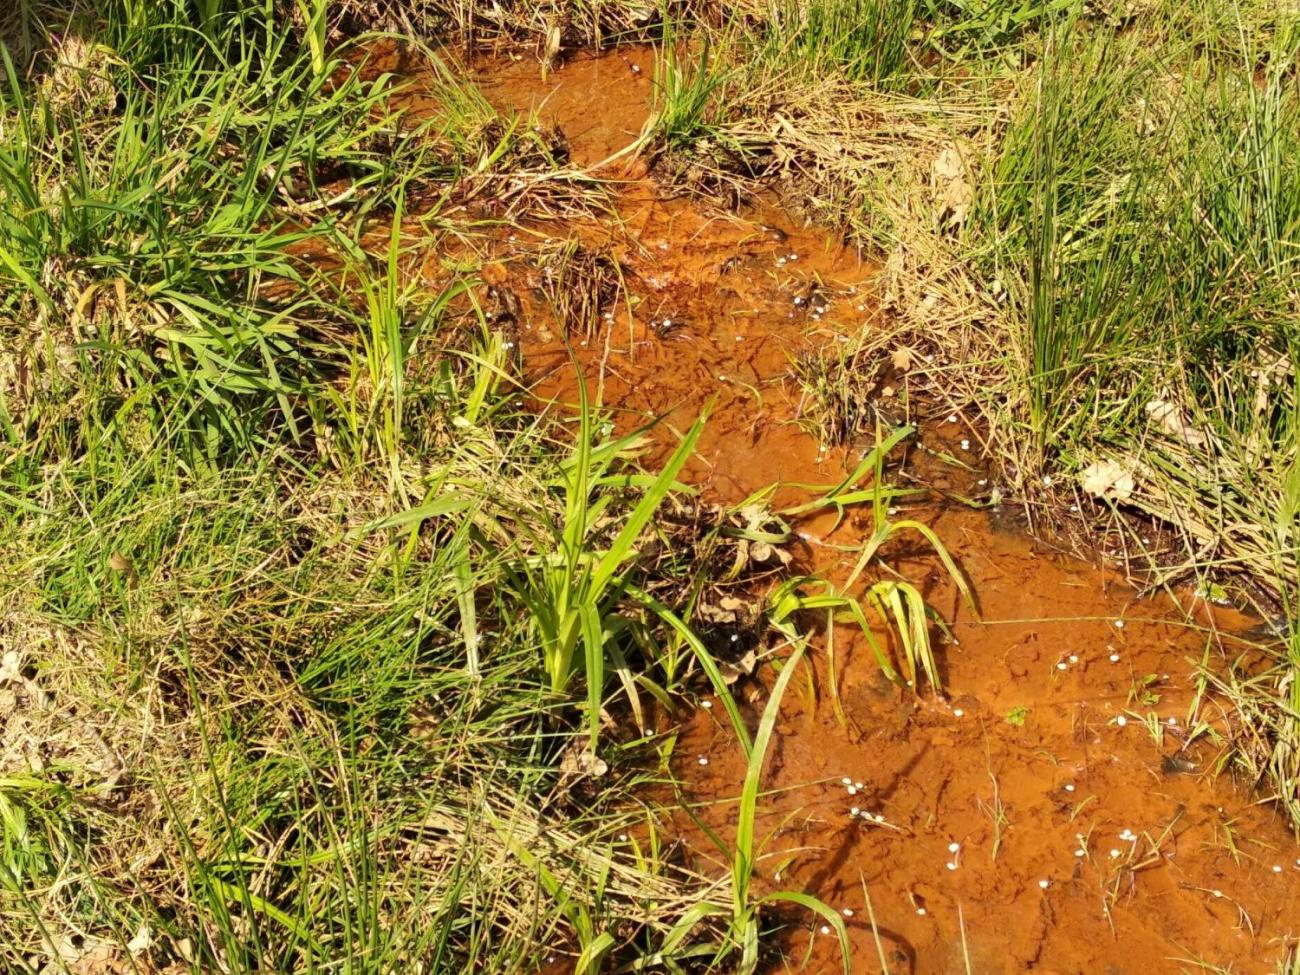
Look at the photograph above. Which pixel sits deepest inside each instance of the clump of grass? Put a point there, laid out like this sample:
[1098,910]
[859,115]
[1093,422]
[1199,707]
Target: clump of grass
[1065,211]
[860,40]
[122,223]
[846,390]
[690,78]
[580,284]
[290,742]
[896,603]
[1161,213]
[329,727]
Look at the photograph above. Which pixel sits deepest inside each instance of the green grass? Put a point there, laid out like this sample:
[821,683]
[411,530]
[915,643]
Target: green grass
[316,648]
[861,40]
[307,706]
[325,642]
[1158,229]
[305,770]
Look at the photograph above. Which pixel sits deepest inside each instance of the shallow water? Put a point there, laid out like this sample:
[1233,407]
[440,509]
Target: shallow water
[1021,808]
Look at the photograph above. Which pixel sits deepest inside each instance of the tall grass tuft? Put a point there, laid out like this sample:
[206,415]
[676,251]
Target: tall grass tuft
[1145,206]
[860,40]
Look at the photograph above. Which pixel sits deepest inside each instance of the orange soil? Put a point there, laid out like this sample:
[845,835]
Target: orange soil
[1208,876]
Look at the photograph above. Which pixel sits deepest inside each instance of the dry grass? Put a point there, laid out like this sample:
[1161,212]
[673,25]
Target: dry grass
[580,284]
[550,28]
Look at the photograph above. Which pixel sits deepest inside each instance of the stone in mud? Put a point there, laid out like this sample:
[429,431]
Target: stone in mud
[1177,765]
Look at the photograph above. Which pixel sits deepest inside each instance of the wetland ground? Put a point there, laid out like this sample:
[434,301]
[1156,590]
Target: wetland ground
[799,486]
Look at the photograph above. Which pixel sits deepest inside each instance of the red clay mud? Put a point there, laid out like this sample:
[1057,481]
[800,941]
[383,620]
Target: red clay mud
[1047,807]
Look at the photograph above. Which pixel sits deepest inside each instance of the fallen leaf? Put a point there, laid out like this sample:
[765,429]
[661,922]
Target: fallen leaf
[578,759]
[1171,420]
[732,671]
[729,609]
[142,940]
[101,959]
[901,359]
[713,614]
[1108,479]
[185,950]
[952,189]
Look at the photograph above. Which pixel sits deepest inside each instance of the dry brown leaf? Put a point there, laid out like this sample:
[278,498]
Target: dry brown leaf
[714,614]
[729,609]
[579,760]
[901,359]
[952,188]
[142,941]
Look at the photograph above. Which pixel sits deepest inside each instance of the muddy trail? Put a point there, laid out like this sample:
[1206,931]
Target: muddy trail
[1048,813]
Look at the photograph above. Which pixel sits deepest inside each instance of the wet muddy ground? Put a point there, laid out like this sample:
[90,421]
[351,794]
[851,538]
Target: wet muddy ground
[1048,815]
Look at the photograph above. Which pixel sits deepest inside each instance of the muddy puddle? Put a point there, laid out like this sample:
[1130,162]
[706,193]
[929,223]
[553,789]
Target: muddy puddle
[1048,815]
